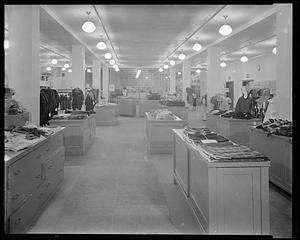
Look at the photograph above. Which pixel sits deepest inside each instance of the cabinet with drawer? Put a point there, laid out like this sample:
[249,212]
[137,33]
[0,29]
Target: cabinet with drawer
[31,176]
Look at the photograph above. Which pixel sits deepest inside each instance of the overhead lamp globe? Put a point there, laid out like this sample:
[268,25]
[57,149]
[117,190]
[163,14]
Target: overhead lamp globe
[160,70]
[54,61]
[63,69]
[6,44]
[181,56]
[88,26]
[225,30]
[108,55]
[48,68]
[89,70]
[101,45]
[66,65]
[166,66]
[223,64]
[70,70]
[274,50]
[117,69]
[112,62]
[172,62]
[198,71]
[244,59]
[197,47]
[115,66]
[179,73]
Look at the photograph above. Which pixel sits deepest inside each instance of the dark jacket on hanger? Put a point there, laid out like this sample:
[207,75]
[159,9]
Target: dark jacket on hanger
[78,98]
[244,105]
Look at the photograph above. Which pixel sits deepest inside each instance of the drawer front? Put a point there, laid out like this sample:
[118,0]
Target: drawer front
[24,177]
[52,182]
[57,141]
[55,163]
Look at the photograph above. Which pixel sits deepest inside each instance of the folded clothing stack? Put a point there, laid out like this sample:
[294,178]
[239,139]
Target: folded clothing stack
[228,114]
[162,114]
[200,134]
[218,112]
[171,102]
[277,127]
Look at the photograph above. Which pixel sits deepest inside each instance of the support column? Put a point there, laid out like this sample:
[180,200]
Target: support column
[24,58]
[96,76]
[284,62]
[186,78]
[173,80]
[105,82]
[78,65]
[215,82]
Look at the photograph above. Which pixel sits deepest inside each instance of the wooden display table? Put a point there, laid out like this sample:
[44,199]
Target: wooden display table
[32,176]
[106,115]
[237,130]
[226,197]
[159,134]
[279,150]
[79,134]
[146,105]
[179,111]
[127,106]
[211,122]
[16,120]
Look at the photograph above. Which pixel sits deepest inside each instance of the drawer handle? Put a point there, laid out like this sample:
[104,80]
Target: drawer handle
[47,150]
[38,176]
[49,167]
[15,197]
[39,196]
[18,221]
[48,184]
[38,156]
[17,172]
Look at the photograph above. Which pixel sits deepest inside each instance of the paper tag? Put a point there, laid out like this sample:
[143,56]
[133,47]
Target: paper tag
[209,141]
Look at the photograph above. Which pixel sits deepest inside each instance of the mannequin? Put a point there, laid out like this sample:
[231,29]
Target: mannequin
[244,104]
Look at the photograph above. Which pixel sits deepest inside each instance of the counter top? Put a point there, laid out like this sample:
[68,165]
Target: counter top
[162,120]
[216,163]
[72,120]
[283,138]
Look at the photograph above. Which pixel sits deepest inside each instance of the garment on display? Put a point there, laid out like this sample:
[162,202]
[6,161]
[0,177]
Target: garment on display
[77,98]
[162,114]
[153,96]
[90,101]
[277,127]
[171,102]
[49,103]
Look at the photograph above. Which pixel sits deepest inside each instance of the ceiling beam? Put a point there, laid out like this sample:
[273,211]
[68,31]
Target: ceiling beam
[256,20]
[57,19]
[55,52]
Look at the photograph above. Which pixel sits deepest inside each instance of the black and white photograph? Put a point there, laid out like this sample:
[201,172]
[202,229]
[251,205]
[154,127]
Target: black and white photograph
[148,119]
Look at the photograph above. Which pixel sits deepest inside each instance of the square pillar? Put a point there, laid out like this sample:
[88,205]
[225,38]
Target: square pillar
[105,82]
[172,80]
[186,78]
[96,75]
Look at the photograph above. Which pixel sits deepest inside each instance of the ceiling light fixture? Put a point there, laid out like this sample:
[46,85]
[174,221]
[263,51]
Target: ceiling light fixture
[63,69]
[197,47]
[66,65]
[181,56]
[223,64]
[146,77]
[108,55]
[48,68]
[88,26]
[244,58]
[179,73]
[117,69]
[172,62]
[115,66]
[70,70]
[6,44]
[112,62]
[225,29]
[198,70]
[89,70]
[101,45]
[274,50]
[138,74]
[160,70]
[54,61]
[166,77]
[166,66]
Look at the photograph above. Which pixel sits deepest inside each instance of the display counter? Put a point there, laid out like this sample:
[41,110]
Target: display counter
[79,134]
[279,150]
[179,111]
[127,106]
[226,197]
[211,121]
[159,134]
[106,115]
[16,120]
[146,105]
[32,176]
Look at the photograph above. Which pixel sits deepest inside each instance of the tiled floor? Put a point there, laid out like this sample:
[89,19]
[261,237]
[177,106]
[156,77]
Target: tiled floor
[117,187]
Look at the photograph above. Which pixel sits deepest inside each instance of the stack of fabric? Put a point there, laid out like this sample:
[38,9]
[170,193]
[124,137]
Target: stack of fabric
[162,114]
[201,135]
[172,102]
[277,127]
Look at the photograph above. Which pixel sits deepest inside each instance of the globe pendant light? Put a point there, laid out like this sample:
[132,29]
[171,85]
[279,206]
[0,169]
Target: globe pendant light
[108,55]
[70,70]
[181,56]
[48,68]
[63,69]
[179,73]
[66,65]
[225,29]
[117,69]
[101,45]
[88,26]
[197,47]
[172,62]
[115,66]
[112,62]
[244,58]
[274,50]
[6,44]
[54,61]
[89,70]
[198,71]
[160,70]
[166,66]
[223,64]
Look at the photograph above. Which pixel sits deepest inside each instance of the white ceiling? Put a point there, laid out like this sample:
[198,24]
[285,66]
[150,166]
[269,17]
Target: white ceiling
[144,35]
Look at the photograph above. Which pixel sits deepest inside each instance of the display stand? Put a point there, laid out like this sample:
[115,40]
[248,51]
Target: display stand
[279,150]
[226,197]
[106,115]
[211,122]
[159,134]
[79,134]
[127,106]
[32,176]
[179,111]
[16,120]
[146,105]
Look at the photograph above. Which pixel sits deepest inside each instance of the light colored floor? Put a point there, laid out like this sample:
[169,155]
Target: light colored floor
[117,187]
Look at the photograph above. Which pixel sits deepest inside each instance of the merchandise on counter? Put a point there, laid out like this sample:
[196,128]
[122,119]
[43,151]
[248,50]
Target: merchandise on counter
[201,135]
[162,114]
[172,102]
[153,96]
[277,127]
[218,112]
[228,114]
[78,98]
